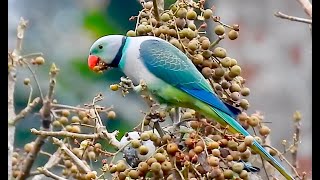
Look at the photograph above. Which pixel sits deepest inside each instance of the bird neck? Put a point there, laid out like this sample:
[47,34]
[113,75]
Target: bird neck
[116,60]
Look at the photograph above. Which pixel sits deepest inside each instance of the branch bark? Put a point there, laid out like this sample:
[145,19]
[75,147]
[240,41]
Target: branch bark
[13,58]
[46,117]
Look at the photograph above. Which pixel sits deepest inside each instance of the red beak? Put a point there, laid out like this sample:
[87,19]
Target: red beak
[93,61]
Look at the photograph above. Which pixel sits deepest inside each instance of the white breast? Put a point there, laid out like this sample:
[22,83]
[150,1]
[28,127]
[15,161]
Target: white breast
[134,67]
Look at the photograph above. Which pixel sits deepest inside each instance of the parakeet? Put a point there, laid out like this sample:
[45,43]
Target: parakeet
[171,78]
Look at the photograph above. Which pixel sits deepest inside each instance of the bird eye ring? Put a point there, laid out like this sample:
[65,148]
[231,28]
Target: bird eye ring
[100,46]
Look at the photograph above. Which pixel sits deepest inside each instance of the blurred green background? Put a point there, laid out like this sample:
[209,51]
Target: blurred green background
[275,55]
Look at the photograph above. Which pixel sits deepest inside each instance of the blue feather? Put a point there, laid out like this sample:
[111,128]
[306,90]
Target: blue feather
[212,100]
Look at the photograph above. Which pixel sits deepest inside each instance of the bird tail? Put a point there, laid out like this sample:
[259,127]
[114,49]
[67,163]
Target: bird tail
[236,127]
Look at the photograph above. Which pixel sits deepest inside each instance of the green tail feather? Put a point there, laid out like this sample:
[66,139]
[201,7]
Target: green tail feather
[236,127]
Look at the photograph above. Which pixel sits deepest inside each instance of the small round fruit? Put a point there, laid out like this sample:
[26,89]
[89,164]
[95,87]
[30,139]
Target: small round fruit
[114,87]
[264,130]
[237,167]
[242,147]
[220,52]
[219,30]
[155,167]
[248,140]
[182,13]
[143,150]
[121,166]
[166,166]
[160,157]
[226,62]
[144,136]
[165,17]
[91,175]
[63,120]
[245,91]
[28,147]
[216,152]
[172,148]
[244,104]
[207,13]
[233,34]
[151,160]
[134,174]
[75,119]
[39,60]
[191,15]
[205,44]
[135,143]
[111,115]
[244,174]
[213,161]
[26,81]
[232,145]
[198,149]
[253,121]
[272,152]
[141,29]
[235,96]
[228,174]
[131,33]
[207,72]
[235,70]
[143,167]
[75,129]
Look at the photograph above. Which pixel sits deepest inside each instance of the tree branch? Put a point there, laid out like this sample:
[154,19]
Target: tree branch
[74,158]
[53,160]
[45,113]
[292,18]
[13,58]
[307,7]
[47,173]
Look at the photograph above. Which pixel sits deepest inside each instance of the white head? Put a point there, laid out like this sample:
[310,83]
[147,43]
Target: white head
[105,52]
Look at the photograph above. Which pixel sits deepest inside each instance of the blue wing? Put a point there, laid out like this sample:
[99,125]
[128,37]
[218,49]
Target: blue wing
[172,66]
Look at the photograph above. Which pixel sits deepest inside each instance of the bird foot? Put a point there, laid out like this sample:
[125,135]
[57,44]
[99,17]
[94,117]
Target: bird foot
[127,83]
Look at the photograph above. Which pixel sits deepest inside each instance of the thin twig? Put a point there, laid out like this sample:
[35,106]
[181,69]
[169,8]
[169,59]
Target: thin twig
[74,158]
[53,160]
[65,134]
[23,113]
[292,18]
[49,174]
[34,77]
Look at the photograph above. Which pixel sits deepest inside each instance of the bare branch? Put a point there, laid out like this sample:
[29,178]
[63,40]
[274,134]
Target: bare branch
[45,113]
[65,134]
[158,7]
[296,140]
[75,159]
[307,7]
[26,110]
[292,18]
[53,160]
[49,174]
[13,58]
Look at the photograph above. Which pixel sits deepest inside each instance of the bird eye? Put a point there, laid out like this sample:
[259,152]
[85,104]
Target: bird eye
[100,46]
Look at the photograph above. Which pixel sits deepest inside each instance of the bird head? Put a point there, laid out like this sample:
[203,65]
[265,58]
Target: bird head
[106,52]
